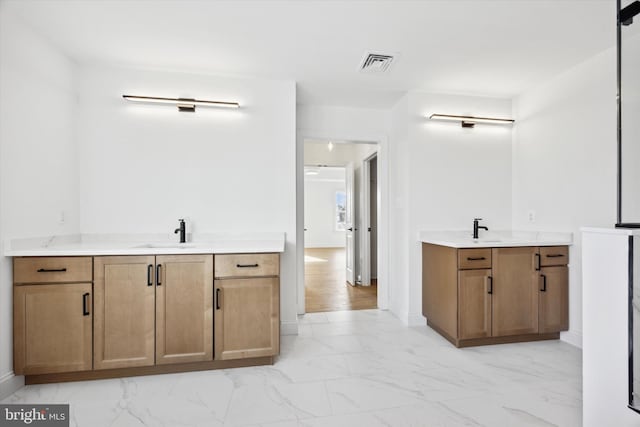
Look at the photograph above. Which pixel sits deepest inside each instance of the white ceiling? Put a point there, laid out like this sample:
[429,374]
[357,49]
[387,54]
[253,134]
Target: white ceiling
[325,174]
[495,48]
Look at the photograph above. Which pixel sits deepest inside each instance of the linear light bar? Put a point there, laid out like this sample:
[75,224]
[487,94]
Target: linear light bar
[183,104]
[470,121]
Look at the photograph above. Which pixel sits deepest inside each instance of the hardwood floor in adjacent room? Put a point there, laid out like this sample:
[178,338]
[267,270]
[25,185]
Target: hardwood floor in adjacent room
[326,287]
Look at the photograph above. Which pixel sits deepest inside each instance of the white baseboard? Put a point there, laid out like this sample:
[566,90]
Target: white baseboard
[289,327]
[410,319]
[416,320]
[402,316]
[9,384]
[572,337]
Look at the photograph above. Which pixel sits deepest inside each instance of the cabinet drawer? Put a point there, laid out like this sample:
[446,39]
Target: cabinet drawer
[474,258]
[247,265]
[554,255]
[52,269]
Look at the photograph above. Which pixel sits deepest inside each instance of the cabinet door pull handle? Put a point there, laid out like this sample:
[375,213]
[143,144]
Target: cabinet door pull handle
[490,280]
[149,274]
[544,283]
[537,262]
[159,275]
[85,304]
[52,270]
[555,255]
[481,258]
[217,298]
[247,265]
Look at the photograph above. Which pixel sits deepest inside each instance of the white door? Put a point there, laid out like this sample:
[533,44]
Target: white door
[349,225]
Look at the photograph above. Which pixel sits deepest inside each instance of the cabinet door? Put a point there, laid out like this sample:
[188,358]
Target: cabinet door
[52,328]
[515,291]
[124,317]
[184,308]
[474,304]
[554,299]
[247,318]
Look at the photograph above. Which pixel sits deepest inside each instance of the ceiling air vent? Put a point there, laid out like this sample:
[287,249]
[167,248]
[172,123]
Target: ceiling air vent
[375,62]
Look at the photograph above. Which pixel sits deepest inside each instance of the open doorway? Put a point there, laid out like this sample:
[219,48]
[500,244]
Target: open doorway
[339,179]
[370,209]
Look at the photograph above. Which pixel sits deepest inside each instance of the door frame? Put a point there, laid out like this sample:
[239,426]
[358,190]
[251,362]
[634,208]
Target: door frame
[350,225]
[383,208]
[365,209]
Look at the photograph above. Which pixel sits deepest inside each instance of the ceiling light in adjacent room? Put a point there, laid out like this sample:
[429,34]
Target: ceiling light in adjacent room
[330,146]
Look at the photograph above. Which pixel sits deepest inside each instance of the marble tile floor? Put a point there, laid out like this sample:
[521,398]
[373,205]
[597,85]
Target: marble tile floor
[348,368]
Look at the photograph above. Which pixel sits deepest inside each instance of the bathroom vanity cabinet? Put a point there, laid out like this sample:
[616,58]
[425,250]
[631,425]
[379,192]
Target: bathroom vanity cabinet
[476,296]
[91,317]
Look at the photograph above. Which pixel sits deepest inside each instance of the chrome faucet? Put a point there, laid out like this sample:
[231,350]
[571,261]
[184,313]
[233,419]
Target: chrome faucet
[476,227]
[182,230]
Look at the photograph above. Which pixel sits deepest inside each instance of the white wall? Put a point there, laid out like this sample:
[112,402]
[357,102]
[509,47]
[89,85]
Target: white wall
[346,123]
[38,173]
[399,189]
[144,166]
[320,214]
[630,123]
[454,174]
[564,160]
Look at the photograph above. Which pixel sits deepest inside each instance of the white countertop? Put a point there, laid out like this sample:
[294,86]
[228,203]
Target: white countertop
[89,245]
[495,239]
[612,230]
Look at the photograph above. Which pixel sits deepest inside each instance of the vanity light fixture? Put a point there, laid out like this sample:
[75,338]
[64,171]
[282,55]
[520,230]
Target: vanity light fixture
[183,104]
[470,121]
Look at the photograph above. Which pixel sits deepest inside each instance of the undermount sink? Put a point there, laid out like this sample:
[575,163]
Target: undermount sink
[165,246]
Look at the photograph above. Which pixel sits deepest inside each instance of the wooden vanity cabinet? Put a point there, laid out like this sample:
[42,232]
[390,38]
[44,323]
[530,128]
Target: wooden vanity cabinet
[475,303]
[495,295]
[554,290]
[153,310]
[184,308]
[124,311]
[247,306]
[52,315]
[515,291]
[79,318]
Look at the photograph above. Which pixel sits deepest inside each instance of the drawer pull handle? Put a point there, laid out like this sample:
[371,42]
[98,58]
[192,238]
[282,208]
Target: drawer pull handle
[247,265]
[544,283]
[481,258]
[555,255]
[159,275]
[85,304]
[52,270]
[149,274]
[537,262]
[217,298]
[490,280]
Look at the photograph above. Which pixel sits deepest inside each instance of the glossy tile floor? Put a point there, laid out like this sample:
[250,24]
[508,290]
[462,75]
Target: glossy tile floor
[348,368]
